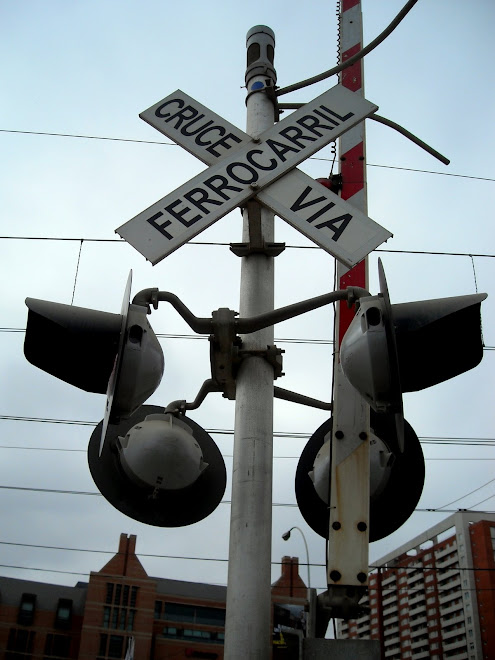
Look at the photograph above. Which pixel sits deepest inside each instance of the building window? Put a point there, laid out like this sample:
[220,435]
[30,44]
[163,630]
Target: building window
[63,616]
[109,596]
[118,594]
[115,646]
[57,646]
[116,614]
[27,605]
[103,645]
[19,641]
[106,617]
[111,646]
[212,616]
[191,635]
[118,618]
[158,609]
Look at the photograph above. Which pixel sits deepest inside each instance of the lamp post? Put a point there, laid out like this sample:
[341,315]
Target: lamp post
[286,537]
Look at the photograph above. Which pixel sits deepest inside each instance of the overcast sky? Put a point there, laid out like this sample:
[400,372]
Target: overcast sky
[88,69]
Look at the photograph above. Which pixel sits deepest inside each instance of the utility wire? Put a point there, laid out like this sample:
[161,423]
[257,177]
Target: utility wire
[439,569]
[357,56]
[441,440]
[173,144]
[283,340]
[436,253]
[291,458]
[398,590]
[58,491]
[468,494]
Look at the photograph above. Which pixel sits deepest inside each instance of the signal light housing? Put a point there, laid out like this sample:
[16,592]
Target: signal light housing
[74,344]
[390,349]
[157,470]
[396,481]
[113,354]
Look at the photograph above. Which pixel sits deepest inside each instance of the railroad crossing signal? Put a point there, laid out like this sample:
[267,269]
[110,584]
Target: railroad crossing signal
[389,349]
[242,167]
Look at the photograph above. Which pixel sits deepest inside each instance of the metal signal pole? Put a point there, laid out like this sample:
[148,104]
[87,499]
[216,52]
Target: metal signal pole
[347,567]
[247,625]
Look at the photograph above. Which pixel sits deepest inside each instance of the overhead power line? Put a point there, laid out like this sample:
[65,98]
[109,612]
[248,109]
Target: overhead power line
[59,491]
[280,340]
[172,144]
[438,569]
[442,440]
[436,253]
[291,458]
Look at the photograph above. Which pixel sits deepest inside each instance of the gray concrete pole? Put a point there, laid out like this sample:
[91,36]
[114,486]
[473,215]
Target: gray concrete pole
[247,626]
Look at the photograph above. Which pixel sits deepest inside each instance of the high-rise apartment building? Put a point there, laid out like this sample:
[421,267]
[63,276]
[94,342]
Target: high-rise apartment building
[434,597]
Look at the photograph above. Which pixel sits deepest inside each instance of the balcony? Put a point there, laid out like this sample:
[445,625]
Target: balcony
[390,610]
[447,562]
[459,644]
[463,655]
[394,618]
[446,623]
[390,642]
[446,598]
[420,655]
[449,634]
[416,599]
[446,550]
[454,580]
[418,619]
[390,579]
[419,631]
[455,607]
[389,599]
[412,579]
[419,643]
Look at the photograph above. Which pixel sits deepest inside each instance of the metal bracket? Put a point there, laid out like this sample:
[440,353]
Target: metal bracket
[256,243]
[271,354]
[342,602]
[270,91]
[224,351]
[225,343]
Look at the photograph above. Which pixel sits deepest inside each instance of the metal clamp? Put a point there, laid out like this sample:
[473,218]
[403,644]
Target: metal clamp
[256,243]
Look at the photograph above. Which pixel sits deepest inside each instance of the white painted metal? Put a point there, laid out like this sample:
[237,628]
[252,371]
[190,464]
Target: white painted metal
[209,137]
[248,615]
[195,127]
[161,452]
[194,206]
[322,216]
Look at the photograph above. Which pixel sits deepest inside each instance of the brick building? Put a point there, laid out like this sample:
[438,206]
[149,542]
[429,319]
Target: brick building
[122,607]
[434,597]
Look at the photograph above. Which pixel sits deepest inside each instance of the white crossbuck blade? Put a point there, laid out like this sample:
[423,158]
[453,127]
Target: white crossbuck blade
[242,167]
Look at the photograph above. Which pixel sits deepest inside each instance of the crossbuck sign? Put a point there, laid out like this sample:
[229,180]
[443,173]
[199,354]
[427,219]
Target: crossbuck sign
[243,167]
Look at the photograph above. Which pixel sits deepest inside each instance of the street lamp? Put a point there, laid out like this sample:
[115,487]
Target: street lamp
[286,537]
